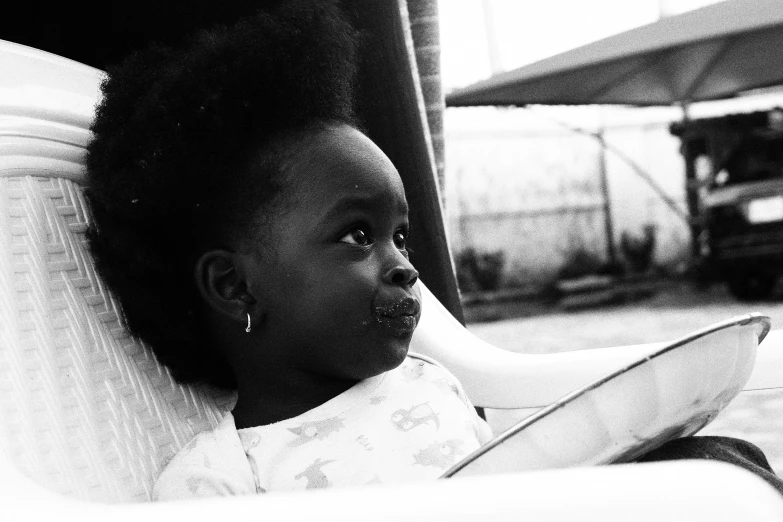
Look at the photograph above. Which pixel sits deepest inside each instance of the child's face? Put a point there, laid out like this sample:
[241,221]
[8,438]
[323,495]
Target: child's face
[337,288]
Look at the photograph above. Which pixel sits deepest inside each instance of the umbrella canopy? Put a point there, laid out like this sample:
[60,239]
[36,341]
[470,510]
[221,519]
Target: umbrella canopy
[710,53]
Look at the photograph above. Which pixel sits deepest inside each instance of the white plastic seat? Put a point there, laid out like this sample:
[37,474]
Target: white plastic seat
[684,491]
[87,412]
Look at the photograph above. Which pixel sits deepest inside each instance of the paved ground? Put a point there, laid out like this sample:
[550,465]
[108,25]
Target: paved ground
[675,309]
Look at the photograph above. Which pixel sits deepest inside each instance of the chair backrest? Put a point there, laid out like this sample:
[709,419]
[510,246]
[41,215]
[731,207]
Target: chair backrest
[84,409]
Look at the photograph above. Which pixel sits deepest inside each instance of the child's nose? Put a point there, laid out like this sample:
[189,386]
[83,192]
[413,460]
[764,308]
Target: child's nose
[401,273]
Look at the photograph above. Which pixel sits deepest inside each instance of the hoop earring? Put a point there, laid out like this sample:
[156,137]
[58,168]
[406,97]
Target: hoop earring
[248,323]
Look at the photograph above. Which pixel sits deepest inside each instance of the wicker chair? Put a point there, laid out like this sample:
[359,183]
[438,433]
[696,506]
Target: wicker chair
[87,414]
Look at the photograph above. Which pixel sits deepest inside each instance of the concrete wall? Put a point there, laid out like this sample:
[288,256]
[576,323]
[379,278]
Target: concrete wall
[519,183]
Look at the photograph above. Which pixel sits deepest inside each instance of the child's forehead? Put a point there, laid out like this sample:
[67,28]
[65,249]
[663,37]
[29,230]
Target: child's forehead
[343,162]
[340,172]
[338,143]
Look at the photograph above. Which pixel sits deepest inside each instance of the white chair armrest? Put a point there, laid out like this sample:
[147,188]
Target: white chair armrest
[768,370]
[497,378]
[693,491]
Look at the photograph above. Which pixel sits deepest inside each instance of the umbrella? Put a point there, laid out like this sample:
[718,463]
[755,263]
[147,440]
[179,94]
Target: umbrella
[710,53]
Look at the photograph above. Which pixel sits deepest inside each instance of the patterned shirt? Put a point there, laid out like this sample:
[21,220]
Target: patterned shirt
[411,423]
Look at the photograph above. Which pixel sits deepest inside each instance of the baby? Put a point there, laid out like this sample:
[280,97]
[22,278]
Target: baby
[256,240]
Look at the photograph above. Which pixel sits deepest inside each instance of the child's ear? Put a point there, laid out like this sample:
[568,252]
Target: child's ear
[221,283]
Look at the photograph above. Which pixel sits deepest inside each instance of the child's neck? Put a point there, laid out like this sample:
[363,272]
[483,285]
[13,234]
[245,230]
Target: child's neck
[283,397]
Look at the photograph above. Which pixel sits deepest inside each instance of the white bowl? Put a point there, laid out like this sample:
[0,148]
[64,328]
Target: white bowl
[672,393]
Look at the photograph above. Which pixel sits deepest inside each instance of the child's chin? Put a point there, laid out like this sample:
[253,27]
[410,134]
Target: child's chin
[399,355]
[393,356]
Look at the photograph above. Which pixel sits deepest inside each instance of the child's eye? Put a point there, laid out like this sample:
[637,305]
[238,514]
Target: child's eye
[357,236]
[399,239]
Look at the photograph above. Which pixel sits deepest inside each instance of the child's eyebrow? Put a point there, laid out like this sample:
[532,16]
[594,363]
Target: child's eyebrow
[356,202]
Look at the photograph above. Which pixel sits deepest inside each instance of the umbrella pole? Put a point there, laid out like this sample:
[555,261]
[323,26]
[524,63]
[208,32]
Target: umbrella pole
[691,187]
[611,252]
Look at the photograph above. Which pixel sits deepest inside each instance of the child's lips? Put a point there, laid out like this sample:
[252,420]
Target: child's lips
[398,318]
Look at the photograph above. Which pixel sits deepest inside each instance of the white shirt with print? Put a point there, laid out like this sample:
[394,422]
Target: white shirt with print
[411,423]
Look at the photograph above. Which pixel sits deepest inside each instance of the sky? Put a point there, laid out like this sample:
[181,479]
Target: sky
[526,31]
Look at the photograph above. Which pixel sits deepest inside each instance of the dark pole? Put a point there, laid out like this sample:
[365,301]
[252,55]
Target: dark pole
[689,154]
[611,252]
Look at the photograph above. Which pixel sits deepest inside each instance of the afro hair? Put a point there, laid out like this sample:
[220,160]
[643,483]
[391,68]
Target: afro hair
[165,166]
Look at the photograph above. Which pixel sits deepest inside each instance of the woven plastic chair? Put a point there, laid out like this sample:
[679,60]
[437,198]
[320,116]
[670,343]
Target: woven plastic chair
[85,407]
[87,413]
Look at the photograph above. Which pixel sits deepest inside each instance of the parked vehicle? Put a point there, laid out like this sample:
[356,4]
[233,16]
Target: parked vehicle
[734,172]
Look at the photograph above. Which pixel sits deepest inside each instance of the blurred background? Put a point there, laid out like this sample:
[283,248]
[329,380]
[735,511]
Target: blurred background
[532,197]
[584,226]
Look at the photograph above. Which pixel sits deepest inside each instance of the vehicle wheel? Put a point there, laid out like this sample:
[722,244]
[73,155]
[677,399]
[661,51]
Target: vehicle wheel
[752,286]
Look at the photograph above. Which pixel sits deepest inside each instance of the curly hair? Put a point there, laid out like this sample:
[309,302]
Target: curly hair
[167,165]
